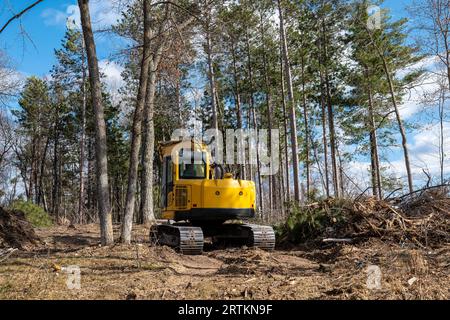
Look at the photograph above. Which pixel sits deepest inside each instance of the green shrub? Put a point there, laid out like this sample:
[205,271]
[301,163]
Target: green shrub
[308,222]
[34,214]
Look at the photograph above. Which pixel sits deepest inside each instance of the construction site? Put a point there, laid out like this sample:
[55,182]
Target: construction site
[221,150]
[407,239]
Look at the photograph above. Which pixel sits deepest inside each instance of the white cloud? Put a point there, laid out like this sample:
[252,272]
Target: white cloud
[424,155]
[53,17]
[413,101]
[103,14]
[425,148]
[112,72]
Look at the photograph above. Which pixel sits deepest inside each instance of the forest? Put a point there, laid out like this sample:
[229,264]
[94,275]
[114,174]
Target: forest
[360,98]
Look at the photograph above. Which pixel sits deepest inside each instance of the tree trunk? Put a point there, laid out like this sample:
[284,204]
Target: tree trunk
[306,123]
[441,135]
[401,127]
[375,161]
[285,124]
[282,187]
[149,144]
[255,125]
[211,77]
[324,133]
[89,175]
[32,170]
[41,176]
[292,116]
[316,159]
[106,229]
[269,113]
[55,189]
[237,94]
[336,184]
[82,138]
[249,110]
[446,35]
[136,134]
[36,170]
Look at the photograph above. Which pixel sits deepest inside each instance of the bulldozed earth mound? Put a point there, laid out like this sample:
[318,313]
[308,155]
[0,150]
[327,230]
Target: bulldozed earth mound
[16,231]
[421,219]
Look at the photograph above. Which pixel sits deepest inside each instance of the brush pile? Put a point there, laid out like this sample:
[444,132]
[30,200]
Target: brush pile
[421,218]
[15,230]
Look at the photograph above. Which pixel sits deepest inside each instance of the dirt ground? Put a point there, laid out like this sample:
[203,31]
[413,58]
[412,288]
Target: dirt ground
[143,271]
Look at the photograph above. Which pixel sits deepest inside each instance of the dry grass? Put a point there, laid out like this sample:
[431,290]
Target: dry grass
[141,271]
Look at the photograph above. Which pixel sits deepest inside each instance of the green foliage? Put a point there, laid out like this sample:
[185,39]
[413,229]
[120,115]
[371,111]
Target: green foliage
[308,222]
[34,105]
[34,214]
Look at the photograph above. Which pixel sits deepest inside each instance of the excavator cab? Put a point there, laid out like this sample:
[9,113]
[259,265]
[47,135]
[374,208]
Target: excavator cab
[189,168]
[198,203]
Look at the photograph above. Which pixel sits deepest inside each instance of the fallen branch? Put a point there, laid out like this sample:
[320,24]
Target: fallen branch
[5,254]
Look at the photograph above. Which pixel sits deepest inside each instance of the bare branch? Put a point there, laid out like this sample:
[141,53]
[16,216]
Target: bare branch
[18,15]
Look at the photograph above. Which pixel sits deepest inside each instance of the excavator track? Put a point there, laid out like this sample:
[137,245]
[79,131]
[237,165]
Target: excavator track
[262,237]
[251,235]
[189,240]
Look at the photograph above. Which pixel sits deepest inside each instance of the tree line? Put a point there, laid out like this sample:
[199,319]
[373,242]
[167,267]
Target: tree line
[331,75]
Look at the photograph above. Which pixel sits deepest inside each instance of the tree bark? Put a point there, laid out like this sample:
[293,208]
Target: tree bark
[375,160]
[32,170]
[211,76]
[255,124]
[441,136]
[331,128]
[237,94]
[324,131]
[106,229]
[81,195]
[41,198]
[269,112]
[136,134]
[400,127]
[306,123]
[148,146]
[55,189]
[292,116]
[285,124]
[149,143]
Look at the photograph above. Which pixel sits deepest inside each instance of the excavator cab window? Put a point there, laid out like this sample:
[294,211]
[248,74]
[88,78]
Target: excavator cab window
[192,165]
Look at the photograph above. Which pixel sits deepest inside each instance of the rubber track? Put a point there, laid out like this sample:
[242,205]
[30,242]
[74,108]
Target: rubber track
[263,237]
[189,240]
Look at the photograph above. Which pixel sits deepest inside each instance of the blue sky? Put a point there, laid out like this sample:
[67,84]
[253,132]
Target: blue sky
[45,27]
[34,57]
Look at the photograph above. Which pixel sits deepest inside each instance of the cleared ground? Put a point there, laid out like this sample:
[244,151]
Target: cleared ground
[142,271]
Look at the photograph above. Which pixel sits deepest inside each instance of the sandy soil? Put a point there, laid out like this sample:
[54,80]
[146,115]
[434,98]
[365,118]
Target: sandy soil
[143,271]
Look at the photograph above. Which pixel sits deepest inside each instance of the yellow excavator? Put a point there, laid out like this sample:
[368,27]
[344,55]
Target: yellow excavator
[199,200]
